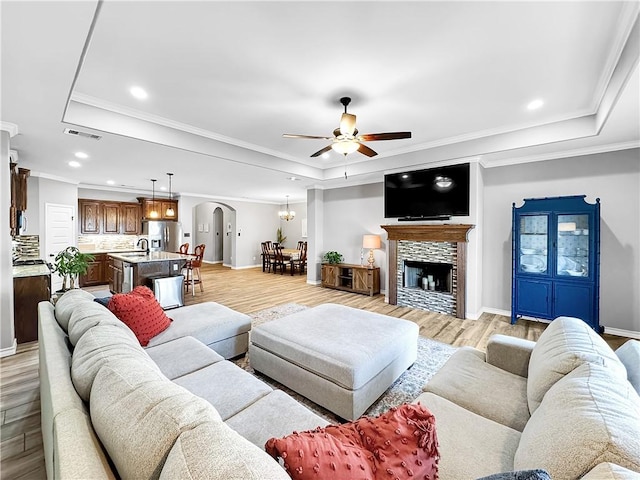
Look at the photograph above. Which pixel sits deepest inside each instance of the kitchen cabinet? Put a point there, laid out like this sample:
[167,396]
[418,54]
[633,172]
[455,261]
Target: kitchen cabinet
[160,206]
[110,217]
[556,259]
[351,278]
[117,275]
[131,217]
[89,216]
[96,272]
[18,182]
[102,217]
[27,293]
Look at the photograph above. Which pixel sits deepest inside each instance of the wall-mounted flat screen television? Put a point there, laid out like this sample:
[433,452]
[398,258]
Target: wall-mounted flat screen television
[434,193]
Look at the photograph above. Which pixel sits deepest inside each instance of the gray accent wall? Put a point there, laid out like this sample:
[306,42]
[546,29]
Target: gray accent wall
[614,177]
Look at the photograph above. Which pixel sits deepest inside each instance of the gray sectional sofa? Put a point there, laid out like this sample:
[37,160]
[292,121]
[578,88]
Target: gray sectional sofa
[565,404]
[178,409]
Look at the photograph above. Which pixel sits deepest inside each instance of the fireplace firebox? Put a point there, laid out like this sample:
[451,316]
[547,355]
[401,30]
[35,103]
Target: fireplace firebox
[428,276]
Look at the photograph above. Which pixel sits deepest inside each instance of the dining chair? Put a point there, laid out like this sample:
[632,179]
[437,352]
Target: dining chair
[300,244]
[269,244]
[184,249]
[278,260]
[266,256]
[193,268]
[301,262]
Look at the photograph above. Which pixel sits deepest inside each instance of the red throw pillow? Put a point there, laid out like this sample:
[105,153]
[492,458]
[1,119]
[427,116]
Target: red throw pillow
[141,312]
[399,444]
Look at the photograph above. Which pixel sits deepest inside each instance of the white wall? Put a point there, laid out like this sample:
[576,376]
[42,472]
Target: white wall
[292,229]
[99,194]
[614,178]
[7,333]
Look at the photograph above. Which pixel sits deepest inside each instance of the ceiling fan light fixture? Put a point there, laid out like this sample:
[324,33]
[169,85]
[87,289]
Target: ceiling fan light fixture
[347,124]
[345,147]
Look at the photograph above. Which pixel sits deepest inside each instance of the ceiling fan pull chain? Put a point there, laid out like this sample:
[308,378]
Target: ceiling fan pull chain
[345,166]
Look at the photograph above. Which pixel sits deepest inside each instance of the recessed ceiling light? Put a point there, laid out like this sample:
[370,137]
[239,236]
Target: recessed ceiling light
[163,188]
[535,104]
[325,155]
[110,182]
[74,164]
[81,155]
[293,179]
[138,92]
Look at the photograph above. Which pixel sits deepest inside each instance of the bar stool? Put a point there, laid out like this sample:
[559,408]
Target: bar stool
[192,268]
[184,249]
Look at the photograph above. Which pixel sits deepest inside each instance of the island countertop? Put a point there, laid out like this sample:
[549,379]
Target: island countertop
[141,257]
[30,271]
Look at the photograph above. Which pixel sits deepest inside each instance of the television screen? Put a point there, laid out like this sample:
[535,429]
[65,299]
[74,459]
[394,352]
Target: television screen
[422,194]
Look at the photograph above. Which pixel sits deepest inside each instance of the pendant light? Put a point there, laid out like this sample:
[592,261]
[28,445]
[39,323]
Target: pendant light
[170,212]
[287,214]
[153,213]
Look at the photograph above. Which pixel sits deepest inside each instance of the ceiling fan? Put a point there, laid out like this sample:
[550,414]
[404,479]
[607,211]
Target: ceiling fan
[345,138]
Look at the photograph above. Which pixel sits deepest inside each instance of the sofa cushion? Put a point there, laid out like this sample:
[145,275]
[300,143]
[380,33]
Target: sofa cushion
[565,344]
[141,312]
[88,315]
[182,356]
[214,451]
[208,322]
[400,443]
[263,419]
[519,475]
[611,471]
[138,414]
[226,386]
[592,403]
[67,303]
[629,355]
[99,346]
[471,446]
[464,380]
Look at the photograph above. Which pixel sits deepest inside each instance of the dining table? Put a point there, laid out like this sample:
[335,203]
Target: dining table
[288,254]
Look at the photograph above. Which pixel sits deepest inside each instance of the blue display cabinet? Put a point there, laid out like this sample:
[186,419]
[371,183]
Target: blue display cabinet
[556,259]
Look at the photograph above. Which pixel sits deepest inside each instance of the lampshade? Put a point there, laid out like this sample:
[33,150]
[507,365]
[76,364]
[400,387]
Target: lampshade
[347,124]
[345,146]
[371,241]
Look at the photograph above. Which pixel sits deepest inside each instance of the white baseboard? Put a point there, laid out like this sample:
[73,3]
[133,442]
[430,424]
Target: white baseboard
[5,352]
[621,333]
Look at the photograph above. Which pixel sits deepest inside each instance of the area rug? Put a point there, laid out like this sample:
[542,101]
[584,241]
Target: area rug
[431,356]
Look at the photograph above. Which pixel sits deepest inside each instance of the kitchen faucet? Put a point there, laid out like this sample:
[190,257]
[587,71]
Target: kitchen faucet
[146,244]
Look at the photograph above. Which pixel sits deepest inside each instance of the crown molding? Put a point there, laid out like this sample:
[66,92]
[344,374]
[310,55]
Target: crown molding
[53,177]
[11,128]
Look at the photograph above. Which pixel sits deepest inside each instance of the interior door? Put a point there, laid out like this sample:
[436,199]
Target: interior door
[60,232]
[217,235]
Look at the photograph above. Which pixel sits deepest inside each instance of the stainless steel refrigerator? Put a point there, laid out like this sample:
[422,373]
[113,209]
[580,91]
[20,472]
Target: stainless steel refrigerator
[163,236]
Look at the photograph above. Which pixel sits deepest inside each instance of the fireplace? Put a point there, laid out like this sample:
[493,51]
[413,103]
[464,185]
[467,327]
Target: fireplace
[431,276]
[427,267]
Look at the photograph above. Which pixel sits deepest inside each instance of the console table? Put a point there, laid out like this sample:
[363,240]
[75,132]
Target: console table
[351,278]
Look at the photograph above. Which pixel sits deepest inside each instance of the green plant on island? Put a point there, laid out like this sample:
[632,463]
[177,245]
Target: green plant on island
[332,257]
[69,263]
[280,238]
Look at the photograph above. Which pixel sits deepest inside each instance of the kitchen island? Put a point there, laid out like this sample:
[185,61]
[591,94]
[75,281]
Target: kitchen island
[31,285]
[140,268]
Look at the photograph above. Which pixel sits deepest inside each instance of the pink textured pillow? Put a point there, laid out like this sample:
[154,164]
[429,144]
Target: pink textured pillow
[399,444]
[141,312]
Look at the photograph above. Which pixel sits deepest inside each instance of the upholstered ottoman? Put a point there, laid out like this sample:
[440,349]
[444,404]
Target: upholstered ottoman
[339,357]
[220,328]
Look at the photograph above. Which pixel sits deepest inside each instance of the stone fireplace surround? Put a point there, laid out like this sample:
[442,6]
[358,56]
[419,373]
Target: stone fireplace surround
[450,244]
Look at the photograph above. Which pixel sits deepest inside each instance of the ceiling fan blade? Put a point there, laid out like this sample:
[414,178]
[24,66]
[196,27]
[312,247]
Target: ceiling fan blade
[347,124]
[293,135]
[366,150]
[370,137]
[320,152]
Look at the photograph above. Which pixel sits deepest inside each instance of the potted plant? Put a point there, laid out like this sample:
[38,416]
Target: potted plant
[69,263]
[332,257]
[280,238]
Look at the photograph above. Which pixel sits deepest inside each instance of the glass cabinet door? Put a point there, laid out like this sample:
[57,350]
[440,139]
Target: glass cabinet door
[573,246]
[533,243]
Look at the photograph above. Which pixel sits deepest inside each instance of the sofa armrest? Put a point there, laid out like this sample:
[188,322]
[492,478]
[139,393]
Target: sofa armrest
[510,354]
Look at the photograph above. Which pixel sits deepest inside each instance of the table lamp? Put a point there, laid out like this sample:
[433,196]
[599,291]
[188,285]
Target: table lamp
[371,242]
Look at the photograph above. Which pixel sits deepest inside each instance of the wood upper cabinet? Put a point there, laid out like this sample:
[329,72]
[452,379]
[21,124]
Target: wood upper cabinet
[89,216]
[110,218]
[160,206]
[18,195]
[100,217]
[130,218]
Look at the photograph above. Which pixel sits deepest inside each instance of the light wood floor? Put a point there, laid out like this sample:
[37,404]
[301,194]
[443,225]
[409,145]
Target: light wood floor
[248,291]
